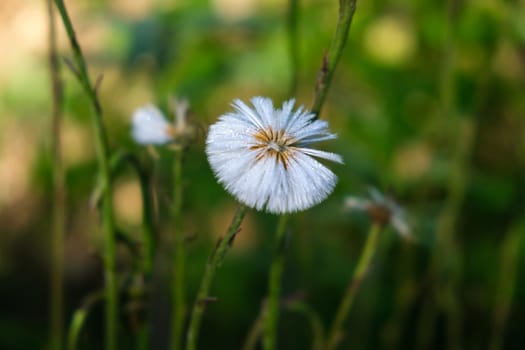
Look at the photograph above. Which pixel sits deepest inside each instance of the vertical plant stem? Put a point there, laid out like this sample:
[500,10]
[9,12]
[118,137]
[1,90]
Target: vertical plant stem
[148,247]
[179,261]
[147,244]
[119,159]
[250,343]
[293,44]
[445,263]
[447,256]
[316,324]
[274,286]
[148,229]
[330,59]
[363,265]
[57,240]
[111,292]
[510,254]
[214,261]
[79,319]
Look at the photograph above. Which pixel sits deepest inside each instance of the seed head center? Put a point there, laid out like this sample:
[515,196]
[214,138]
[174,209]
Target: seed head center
[273,143]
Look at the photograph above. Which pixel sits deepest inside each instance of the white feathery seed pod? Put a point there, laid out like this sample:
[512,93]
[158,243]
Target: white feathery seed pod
[150,127]
[261,156]
[381,209]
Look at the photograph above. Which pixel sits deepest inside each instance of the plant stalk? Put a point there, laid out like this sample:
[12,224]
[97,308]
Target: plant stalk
[274,286]
[79,319]
[179,260]
[330,59]
[111,292]
[293,44]
[363,266]
[214,261]
[509,263]
[147,244]
[57,239]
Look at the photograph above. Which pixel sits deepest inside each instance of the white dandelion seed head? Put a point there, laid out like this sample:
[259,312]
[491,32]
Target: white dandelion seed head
[382,209]
[150,127]
[261,155]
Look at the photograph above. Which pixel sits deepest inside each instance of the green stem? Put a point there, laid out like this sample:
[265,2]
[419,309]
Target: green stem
[293,44]
[295,306]
[447,255]
[510,254]
[147,244]
[363,265]
[111,292]
[445,265]
[57,239]
[255,331]
[330,59]
[274,286]
[79,319]
[214,261]
[179,261]
[316,324]
[118,159]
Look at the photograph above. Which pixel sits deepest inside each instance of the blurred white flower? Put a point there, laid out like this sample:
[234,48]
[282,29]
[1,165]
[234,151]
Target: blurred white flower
[261,156]
[150,126]
[382,210]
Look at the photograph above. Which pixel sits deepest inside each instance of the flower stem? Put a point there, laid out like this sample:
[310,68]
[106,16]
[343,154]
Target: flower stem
[111,292]
[214,261]
[57,239]
[509,262]
[316,324]
[274,286]
[446,263]
[147,244]
[119,159]
[363,265]
[79,319]
[179,261]
[293,44]
[255,331]
[330,59]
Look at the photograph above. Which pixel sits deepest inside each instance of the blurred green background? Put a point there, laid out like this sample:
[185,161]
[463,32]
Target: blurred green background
[429,104]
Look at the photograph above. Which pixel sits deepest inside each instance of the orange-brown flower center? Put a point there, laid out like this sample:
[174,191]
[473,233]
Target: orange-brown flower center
[271,143]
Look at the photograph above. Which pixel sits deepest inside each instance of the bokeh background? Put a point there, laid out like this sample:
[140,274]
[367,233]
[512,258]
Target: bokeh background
[428,102]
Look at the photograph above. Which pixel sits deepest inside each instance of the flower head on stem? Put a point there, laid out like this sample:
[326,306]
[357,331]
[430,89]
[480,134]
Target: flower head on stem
[151,127]
[262,156]
[382,210]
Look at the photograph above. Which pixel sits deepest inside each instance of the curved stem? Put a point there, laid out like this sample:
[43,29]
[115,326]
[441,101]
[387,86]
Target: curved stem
[363,265]
[148,231]
[293,44]
[57,238]
[509,260]
[111,293]
[79,319]
[147,244]
[214,261]
[250,343]
[446,264]
[274,286]
[330,59]
[316,324]
[179,261]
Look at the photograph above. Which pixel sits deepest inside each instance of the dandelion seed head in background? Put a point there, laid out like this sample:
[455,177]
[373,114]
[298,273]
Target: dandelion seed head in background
[150,127]
[261,155]
[382,210]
